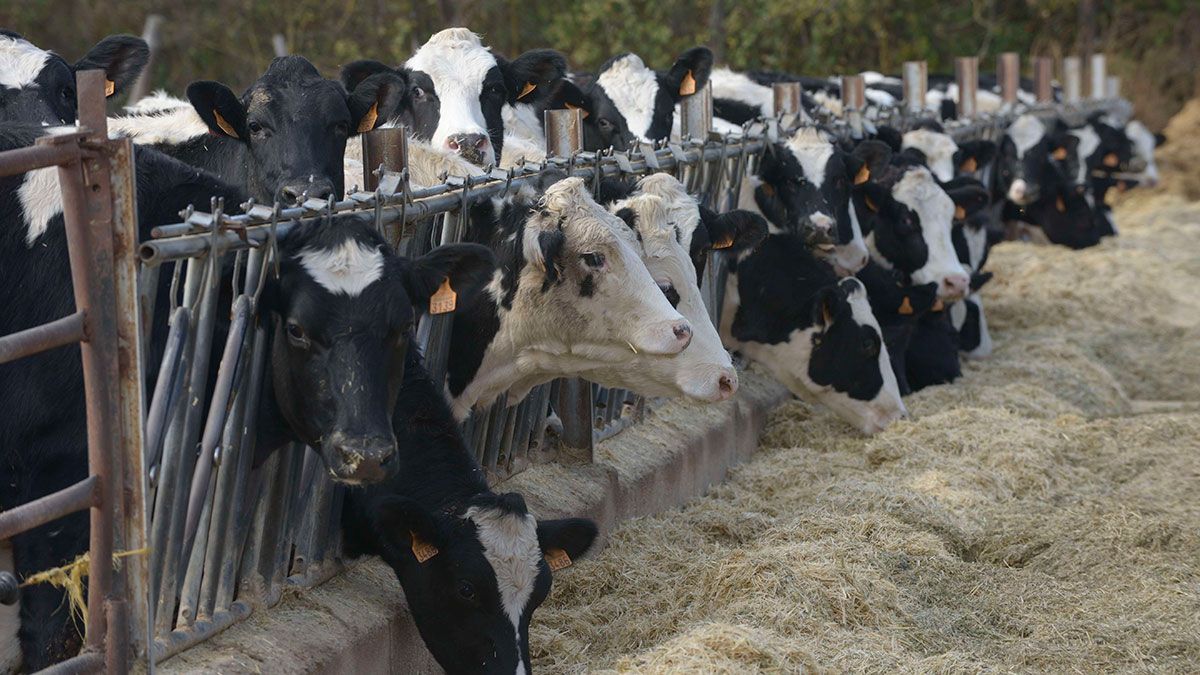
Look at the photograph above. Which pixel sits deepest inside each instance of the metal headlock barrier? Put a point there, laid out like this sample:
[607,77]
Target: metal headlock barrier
[226,538]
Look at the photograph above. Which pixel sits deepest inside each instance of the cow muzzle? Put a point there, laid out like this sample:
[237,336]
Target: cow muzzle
[359,459]
[295,192]
[471,147]
[711,385]
[1022,193]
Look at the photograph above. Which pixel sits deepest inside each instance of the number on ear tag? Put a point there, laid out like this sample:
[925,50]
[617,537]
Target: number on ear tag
[444,300]
[422,550]
[557,559]
[109,88]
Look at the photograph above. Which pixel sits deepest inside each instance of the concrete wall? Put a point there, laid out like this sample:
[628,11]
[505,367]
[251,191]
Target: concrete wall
[358,622]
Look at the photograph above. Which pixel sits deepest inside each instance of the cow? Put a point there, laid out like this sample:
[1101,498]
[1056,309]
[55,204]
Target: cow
[284,138]
[459,94]
[897,305]
[932,356]
[805,185]
[1144,142]
[474,564]
[38,86]
[1025,165]
[571,297]
[337,312]
[628,102]
[812,330]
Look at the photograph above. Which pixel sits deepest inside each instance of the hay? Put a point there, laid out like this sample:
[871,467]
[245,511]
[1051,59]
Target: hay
[1030,517]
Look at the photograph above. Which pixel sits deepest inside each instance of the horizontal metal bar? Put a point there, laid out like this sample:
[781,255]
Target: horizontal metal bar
[87,662]
[13,162]
[43,338]
[82,495]
[180,639]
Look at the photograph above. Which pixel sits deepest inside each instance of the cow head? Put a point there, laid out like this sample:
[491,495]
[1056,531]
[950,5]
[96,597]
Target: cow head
[1144,142]
[294,125]
[1033,160]
[342,313]
[629,102]
[969,231]
[473,577]
[937,147]
[813,332]
[38,86]
[897,305]
[805,187]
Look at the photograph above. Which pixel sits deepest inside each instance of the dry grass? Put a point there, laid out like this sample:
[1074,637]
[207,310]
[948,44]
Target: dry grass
[1026,519]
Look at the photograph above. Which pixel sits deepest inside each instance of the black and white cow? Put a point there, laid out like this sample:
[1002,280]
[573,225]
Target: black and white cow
[38,86]
[1026,163]
[339,310]
[897,306]
[459,93]
[474,564]
[629,102]
[1144,142]
[812,330]
[804,186]
[571,297]
[284,138]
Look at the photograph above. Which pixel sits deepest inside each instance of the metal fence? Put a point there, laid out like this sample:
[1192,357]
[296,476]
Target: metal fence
[226,538]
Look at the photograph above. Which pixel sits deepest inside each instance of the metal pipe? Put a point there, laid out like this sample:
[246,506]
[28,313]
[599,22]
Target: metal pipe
[1008,75]
[788,97]
[854,101]
[42,338]
[383,148]
[1072,79]
[1112,87]
[54,151]
[82,495]
[695,119]
[1099,74]
[916,84]
[966,76]
[564,132]
[1043,79]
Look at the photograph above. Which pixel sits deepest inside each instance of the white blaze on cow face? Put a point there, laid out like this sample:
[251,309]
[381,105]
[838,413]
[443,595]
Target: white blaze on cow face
[20,62]
[348,269]
[633,89]
[703,371]
[938,149]
[1026,132]
[1143,149]
[1089,140]
[919,191]
[959,315]
[457,62]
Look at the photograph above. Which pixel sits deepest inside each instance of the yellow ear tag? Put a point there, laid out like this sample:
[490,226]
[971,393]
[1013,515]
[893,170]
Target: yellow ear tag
[367,123]
[583,114]
[960,213]
[1111,160]
[109,87]
[725,242]
[1060,154]
[969,165]
[871,204]
[444,299]
[906,307]
[557,559]
[863,175]
[1060,205]
[826,315]
[529,86]
[688,86]
[938,305]
[225,126]
[422,550]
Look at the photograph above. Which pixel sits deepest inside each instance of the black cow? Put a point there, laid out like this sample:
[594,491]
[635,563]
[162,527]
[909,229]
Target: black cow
[38,86]
[897,306]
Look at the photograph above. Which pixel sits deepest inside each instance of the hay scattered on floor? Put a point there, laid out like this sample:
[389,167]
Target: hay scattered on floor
[1027,518]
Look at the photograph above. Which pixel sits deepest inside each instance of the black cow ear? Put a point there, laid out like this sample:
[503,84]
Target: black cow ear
[447,274]
[857,171]
[355,72]
[121,57]
[565,540]
[406,527]
[889,136]
[828,304]
[1159,139]
[689,74]
[219,108]
[377,99]
[732,231]
[563,94]
[529,76]
[968,199]
[876,155]
[613,190]
[973,155]
[979,280]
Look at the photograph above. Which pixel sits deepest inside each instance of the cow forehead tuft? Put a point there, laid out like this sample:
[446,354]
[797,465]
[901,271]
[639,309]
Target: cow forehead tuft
[510,545]
[20,62]
[348,267]
[934,144]
[812,149]
[633,89]
[1026,131]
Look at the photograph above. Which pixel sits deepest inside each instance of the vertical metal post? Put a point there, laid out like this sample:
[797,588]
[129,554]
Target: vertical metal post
[564,137]
[696,114]
[1099,73]
[966,76]
[854,99]
[279,44]
[787,98]
[1112,87]
[1008,75]
[1043,79]
[383,147]
[1072,79]
[916,85]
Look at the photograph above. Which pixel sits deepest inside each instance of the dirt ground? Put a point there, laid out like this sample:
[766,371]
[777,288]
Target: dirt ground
[1042,514]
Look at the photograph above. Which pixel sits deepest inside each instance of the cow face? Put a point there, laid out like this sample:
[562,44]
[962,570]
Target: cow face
[938,148]
[969,231]
[629,102]
[805,188]
[1024,166]
[909,225]
[479,577]
[813,332]
[294,125]
[38,87]
[342,312]
[457,89]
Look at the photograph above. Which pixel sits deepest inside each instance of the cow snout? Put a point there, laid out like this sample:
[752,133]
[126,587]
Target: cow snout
[727,385]
[470,146]
[954,286]
[360,459]
[822,223]
[1021,192]
[298,191]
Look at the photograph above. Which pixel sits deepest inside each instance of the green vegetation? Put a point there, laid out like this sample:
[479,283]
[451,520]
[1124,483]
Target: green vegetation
[1152,43]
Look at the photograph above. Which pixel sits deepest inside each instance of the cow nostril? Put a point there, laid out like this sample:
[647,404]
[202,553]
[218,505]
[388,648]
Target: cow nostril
[725,384]
[682,331]
[481,142]
[451,143]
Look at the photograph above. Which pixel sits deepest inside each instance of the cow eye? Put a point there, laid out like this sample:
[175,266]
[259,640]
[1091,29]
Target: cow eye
[254,127]
[593,260]
[466,591]
[495,90]
[296,335]
[605,124]
[418,93]
[668,290]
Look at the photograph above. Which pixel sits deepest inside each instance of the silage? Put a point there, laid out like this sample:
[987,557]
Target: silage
[1027,518]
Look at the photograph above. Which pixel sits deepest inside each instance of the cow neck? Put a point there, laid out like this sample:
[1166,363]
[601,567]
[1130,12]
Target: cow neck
[226,158]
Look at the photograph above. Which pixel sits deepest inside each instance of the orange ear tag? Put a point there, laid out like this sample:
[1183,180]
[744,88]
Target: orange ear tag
[906,307]
[863,175]
[583,114]
[960,213]
[938,305]
[969,166]
[1111,160]
[444,300]
[557,559]
[225,126]
[422,550]
[109,88]
[367,123]
[529,86]
[1060,154]
[688,86]
[725,242]
[1060,205]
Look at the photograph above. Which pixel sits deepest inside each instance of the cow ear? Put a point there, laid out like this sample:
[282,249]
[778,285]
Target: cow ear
[219,108]
[731,231]
[446,274]
[613,190]
[918,299]
[968,199]
[689,74]
[875,155]
[529,76]
[562,94]
[890,136]
[377,99]
[544,250]
[972,155]
[829,303]
[1159,139]
[565,540]
[121,57]
[979,280]
[407,528]
[355,72]
[857,170]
